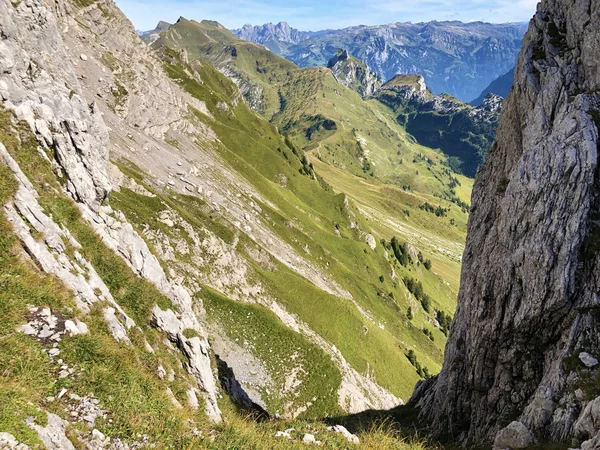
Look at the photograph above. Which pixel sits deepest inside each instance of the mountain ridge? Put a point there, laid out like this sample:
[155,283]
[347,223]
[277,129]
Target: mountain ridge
[399,48]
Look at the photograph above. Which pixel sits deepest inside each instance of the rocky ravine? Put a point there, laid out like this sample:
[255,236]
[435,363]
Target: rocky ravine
[87,86]
[521,360]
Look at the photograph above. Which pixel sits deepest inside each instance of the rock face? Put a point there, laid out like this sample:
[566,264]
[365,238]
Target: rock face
[353,73]
[528,304]
[458,58]
[38,83]
[272,36]
[150,37]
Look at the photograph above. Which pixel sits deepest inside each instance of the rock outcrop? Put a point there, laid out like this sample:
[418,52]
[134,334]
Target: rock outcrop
[39,83]
[353,73]
[528,304]
[40,86]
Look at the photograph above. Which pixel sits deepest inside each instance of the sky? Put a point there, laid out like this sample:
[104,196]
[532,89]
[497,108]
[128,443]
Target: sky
[314,15]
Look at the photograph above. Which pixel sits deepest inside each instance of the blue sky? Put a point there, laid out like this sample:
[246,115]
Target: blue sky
[313,15]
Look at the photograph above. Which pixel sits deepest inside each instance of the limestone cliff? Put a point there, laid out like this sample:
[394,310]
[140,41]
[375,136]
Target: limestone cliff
[523,347]
[353,73]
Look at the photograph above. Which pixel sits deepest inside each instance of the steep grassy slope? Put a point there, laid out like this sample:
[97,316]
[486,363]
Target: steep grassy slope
[315,111]
[256,71]
[351,136]
[121,378]
[326,230]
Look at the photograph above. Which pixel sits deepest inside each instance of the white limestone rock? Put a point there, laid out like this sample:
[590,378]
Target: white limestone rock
[587,359]
[352,438]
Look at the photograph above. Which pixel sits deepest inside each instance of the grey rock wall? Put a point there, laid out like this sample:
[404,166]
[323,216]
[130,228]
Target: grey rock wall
[528,304]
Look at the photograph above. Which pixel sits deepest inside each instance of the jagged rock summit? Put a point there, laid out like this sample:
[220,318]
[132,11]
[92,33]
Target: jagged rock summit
[267,32]
[528,304]
[353,73]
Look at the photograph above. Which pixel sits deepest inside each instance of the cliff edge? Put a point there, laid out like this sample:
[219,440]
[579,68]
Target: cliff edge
[521,357]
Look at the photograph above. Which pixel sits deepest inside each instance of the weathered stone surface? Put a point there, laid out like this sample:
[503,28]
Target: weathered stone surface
[309,438]
[514,436]
[9,442]
[588,423]
[528,301]
[587,359]
[371,242]
[50,328]
[197,350]
[53,435]
[39,84]
[353,73]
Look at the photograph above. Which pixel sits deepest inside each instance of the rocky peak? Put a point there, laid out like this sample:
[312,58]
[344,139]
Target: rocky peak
[262,34]
[340,56]
[163,26]
[527,316]
[353,73]
[149,37]
[408,86]
[492,103]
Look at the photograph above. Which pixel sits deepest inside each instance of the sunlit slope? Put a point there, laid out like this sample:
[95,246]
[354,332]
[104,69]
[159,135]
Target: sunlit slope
[395,188]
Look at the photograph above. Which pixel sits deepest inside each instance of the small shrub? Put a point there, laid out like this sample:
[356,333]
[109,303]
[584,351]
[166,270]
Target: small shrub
[189,333]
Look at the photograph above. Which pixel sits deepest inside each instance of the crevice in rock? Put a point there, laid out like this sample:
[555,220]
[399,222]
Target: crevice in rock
[236,391]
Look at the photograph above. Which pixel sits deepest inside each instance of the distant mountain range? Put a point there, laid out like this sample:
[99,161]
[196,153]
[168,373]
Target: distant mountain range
[500,86]
[457,58]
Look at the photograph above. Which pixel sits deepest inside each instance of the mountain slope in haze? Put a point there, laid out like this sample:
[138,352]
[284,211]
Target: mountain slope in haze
[276,38]
[462,132]
[526,327]
[457,58]
[500,86]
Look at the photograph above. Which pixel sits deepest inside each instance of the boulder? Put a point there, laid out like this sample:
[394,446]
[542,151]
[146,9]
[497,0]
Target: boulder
[514,436]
